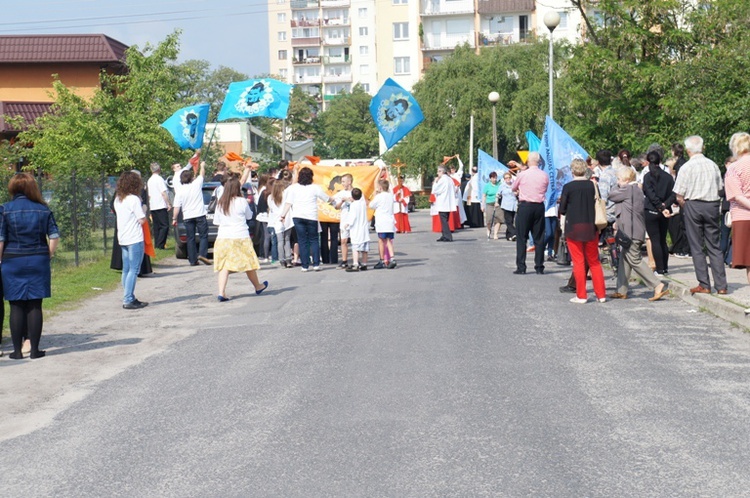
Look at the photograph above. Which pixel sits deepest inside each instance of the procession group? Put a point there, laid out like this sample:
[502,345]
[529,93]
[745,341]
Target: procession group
[644,199]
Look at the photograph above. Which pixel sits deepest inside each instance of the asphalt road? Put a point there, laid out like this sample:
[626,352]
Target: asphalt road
[447,376]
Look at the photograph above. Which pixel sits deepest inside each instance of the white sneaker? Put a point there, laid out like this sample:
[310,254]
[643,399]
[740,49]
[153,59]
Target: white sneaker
[602,299]
[578,300]
[316,268]
[305,270]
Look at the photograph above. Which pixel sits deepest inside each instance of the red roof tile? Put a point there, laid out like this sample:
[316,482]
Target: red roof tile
[60,48]
[29,111]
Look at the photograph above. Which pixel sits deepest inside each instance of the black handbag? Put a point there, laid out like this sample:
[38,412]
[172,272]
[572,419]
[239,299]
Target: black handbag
[563,255]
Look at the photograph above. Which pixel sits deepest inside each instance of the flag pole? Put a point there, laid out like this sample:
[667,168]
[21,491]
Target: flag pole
[471,143]
[283,138]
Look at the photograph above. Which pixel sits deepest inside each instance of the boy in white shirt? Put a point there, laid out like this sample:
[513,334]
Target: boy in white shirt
[385,224]
[359,231]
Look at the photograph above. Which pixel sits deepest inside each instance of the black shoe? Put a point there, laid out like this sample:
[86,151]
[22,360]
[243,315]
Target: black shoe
[567,289]
[392,264]
[519,272]
[379,266]
[351,269]
[540,272]
[362,267]
[441,239]
[134,305]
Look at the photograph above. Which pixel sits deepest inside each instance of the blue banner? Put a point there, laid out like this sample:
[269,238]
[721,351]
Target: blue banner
[188,125]
[395,112]
[558,149]
[263,97]
[486,164]
[533,141]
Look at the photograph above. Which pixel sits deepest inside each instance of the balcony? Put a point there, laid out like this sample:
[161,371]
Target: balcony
[435,8]
[304,4]
[337,78]
[306,42]
[434,41]
[307,79]
[344,40]
[306,60]
[336,22]
[305,23]
[494,39]
[335,3]
[337,59]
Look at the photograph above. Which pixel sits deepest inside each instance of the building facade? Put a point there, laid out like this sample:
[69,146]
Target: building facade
[328,46]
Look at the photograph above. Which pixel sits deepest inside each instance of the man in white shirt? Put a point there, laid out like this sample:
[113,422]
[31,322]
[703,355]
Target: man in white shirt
[189,198]
[158,202]
[445,202]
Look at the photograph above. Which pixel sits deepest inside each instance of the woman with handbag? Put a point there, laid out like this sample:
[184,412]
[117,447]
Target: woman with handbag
[631,232]
[577,206]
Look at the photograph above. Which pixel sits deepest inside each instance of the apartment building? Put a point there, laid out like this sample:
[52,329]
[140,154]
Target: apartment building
[327,46]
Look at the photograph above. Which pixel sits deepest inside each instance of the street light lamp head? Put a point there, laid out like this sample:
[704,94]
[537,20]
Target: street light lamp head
[551,20]
[494,97]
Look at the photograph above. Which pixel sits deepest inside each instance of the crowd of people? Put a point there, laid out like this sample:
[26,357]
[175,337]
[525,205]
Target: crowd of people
[646,201]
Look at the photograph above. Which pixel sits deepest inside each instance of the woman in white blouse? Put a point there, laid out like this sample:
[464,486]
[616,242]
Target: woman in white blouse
[233,249]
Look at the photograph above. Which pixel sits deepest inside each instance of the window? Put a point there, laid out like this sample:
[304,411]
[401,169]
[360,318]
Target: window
[365,87]
[364,50]
[282,55]
[364,69]
[362,31]
[362,12]
[400,30]
[402,65]
[400,2]
[281,18]
[563,20]
[282,36]
[283,73]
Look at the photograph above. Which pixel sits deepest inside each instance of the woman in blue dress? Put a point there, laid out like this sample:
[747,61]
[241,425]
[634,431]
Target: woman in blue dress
[28,240]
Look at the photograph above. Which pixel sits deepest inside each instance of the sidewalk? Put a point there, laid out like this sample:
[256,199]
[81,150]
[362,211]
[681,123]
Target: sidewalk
[730,307]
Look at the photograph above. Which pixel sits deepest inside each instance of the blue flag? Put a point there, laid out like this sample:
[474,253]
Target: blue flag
[395,112]
[263,97]
[188,125]
[533,140]
[486,164]
[558,149]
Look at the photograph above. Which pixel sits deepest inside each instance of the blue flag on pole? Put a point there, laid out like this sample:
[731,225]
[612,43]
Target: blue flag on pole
[264,97]
[533,141]
[558,149]
[188,125]
[486,164]
[395,112]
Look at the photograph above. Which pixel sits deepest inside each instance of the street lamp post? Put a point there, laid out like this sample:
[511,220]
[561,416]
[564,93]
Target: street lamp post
[551,20]
[494,97]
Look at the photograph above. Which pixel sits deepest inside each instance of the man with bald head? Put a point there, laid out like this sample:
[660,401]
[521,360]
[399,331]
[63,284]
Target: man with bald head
[531,188]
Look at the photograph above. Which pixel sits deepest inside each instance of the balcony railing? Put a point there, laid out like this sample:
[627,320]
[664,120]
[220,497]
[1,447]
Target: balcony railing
[304,23]
[340,59]
[307,79]
[336,21]
[306,42]
[344,40]
[445,42]
[493,39]
[307,60]
[435,8]
[335,3]
[337,78]
[304,4]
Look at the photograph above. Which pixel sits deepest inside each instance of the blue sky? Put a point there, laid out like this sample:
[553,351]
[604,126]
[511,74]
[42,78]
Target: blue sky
[229,33]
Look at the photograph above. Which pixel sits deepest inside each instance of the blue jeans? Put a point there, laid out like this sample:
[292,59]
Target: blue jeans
[132,257]
[201,225]
[307,235]
[550,229]
[271,235]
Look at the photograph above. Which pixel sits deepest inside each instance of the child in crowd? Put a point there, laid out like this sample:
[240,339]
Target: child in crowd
[385,224]
[359,232]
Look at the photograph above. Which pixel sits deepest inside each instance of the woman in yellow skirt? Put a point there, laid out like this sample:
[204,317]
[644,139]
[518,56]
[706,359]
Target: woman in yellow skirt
[233,249]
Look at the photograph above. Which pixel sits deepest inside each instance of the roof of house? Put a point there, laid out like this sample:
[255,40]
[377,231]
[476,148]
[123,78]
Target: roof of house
[29,111]
[60,48]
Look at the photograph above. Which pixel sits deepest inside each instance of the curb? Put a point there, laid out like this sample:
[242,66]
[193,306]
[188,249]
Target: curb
[717,306]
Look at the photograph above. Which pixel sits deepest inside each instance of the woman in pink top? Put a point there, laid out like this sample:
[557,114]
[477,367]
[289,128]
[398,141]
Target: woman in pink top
[738,194]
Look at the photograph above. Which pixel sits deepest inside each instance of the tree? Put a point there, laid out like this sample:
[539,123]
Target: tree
[346,127]
[302,112]
[198,83]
